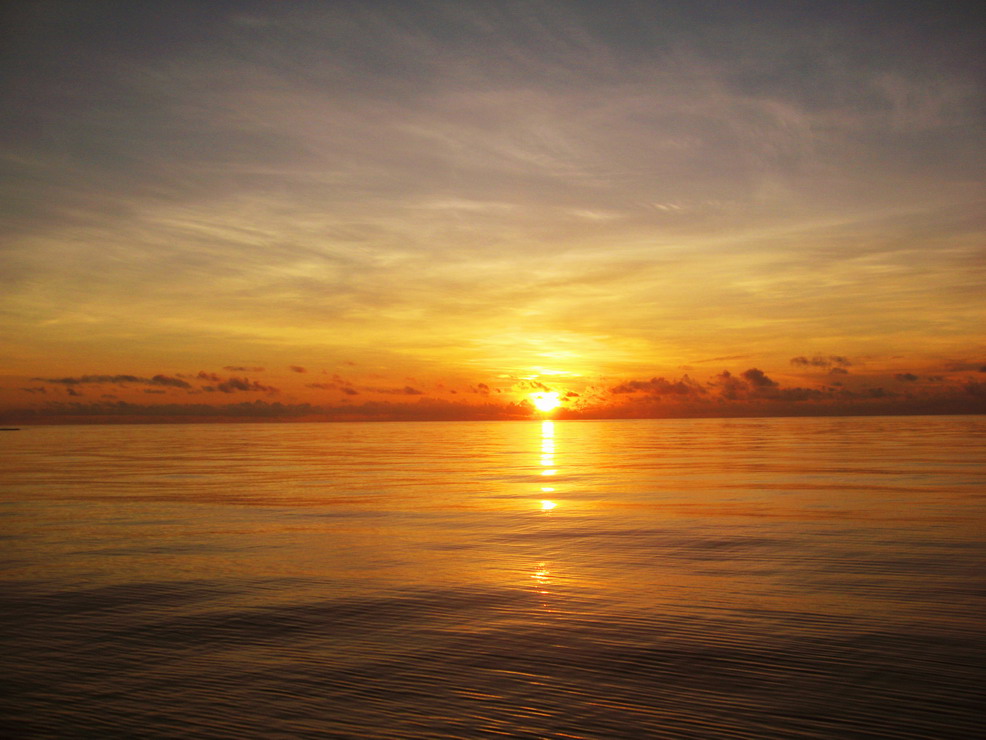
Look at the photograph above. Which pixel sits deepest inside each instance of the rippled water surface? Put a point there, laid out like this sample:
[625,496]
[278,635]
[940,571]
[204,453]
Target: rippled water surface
[755,578]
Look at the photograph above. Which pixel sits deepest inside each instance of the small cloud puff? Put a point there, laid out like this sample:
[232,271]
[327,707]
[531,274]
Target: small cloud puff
[757,379]
[532,385]
[821,361]
[337,382]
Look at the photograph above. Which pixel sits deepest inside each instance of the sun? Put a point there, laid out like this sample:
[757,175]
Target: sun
[545,401]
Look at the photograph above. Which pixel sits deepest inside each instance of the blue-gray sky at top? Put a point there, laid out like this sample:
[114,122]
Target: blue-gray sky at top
[483,188]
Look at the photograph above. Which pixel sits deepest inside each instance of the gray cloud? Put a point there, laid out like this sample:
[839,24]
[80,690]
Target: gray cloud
[159,380]
[659,387]
[821,361]
[405,391]
[758,379]
[976,389]
[422,409]
[235,384]
[968,365]
[750,384]
[337,382]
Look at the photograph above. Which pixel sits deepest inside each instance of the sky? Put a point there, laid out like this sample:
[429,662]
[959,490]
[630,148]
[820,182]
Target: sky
[432,210]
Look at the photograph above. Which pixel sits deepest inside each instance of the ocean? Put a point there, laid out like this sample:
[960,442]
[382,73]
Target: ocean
[690,578]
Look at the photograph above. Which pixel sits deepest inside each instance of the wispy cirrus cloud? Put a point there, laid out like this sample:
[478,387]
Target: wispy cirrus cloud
[405,391]
[262,181]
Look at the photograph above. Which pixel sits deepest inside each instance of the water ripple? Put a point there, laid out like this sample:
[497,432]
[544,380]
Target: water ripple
[709,579]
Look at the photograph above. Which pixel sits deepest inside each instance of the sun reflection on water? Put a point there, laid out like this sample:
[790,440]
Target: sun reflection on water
[542,583]
[548,460]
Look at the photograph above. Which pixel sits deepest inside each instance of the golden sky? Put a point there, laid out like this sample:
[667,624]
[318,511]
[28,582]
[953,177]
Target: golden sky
[433,209]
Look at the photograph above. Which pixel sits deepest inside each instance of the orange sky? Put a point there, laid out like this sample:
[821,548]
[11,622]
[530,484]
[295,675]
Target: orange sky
[427,210]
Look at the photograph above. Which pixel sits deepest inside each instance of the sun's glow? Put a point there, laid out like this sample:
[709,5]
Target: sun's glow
[547,401]
[548,505]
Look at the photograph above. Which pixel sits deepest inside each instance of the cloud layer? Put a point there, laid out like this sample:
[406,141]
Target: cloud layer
[464,191]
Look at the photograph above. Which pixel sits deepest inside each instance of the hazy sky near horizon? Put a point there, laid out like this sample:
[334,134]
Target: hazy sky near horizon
[433,195]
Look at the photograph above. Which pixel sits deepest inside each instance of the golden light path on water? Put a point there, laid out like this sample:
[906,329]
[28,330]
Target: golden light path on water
[548,460]
[542,575]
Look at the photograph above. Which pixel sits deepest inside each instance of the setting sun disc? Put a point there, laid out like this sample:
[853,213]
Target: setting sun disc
[547,401]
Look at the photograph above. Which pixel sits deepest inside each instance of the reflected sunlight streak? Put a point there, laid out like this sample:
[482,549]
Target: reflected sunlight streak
[548,461]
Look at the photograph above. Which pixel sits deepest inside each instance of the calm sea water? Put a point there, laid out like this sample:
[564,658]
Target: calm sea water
[756,578]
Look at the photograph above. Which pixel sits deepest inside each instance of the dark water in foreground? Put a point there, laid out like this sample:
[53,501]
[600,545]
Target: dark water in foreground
[761,578]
